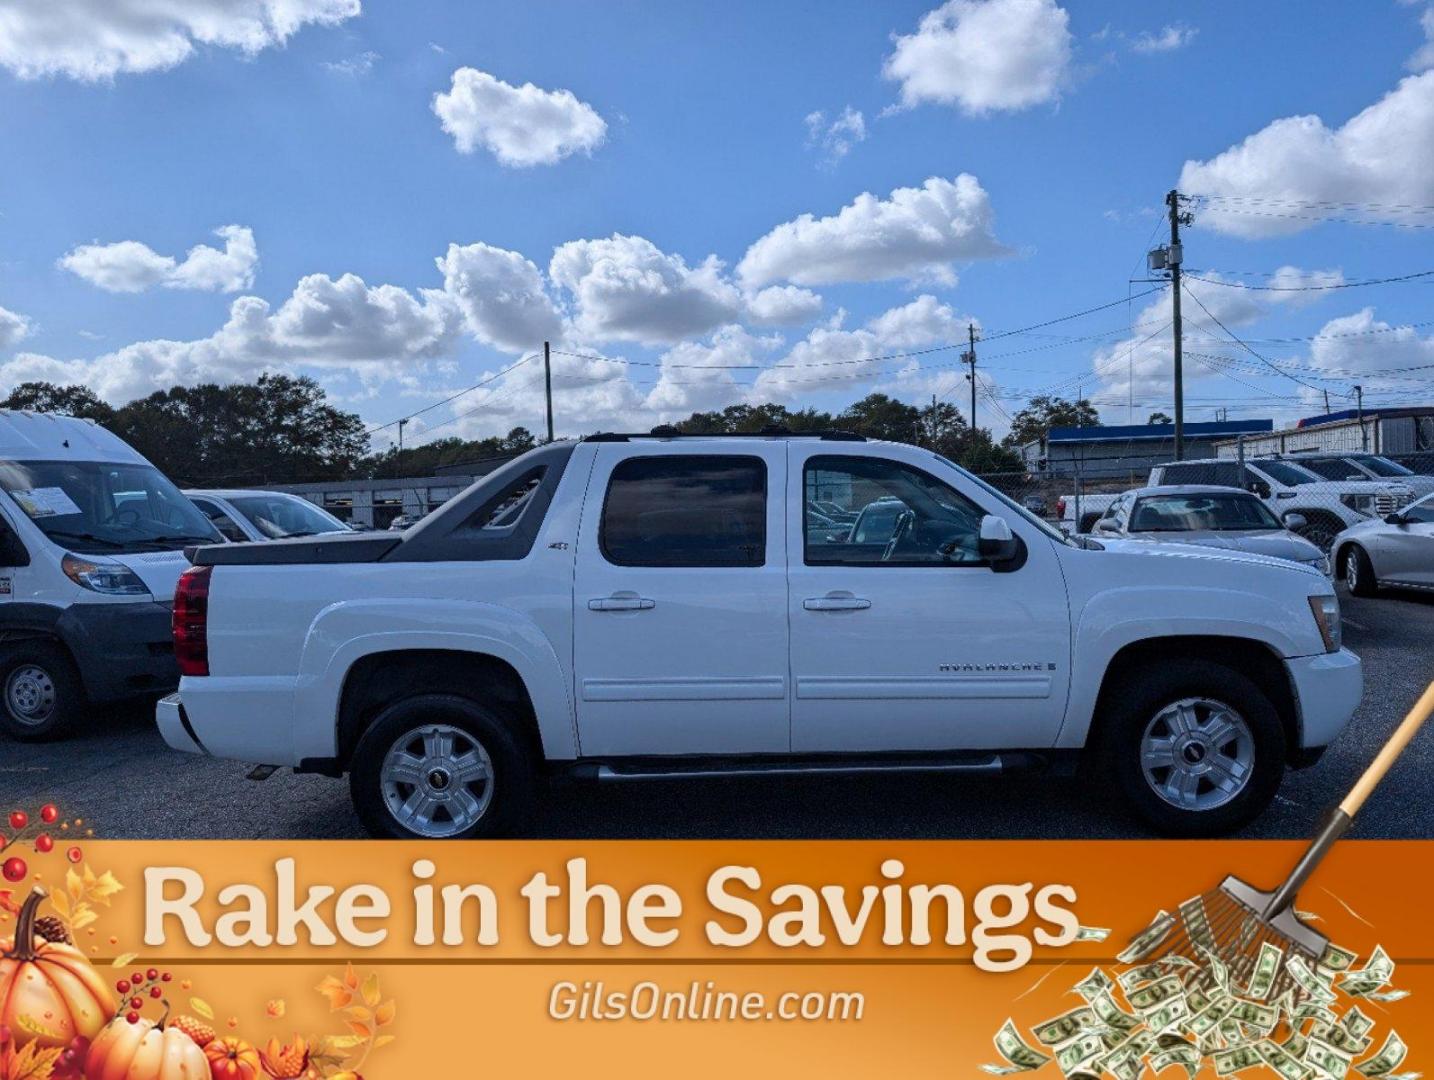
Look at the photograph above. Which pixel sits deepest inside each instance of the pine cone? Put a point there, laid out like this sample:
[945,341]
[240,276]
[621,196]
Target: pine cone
[52,929]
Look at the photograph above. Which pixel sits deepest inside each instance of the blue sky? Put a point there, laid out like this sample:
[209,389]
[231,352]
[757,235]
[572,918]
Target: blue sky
[1034,141]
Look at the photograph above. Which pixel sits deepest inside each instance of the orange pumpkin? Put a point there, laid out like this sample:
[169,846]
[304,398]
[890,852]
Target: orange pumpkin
[49,994]
[232,1058]
[144,1051]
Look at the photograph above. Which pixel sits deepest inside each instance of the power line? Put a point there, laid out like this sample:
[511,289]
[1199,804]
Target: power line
[453,397]
[1233,337]
[1311,288]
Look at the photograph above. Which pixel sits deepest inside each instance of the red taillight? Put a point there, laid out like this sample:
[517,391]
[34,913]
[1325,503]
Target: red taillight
[1061,506]
[191,621]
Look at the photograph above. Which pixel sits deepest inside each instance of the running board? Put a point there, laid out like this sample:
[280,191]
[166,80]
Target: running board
[846,765]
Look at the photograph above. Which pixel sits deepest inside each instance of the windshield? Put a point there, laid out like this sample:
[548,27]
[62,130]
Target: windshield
[1287,474]
[277,515]
[95,507]
[1192,513]
[1383,466]
[1040,523]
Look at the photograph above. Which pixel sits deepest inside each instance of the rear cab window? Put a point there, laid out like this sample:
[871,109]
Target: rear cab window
[698,510]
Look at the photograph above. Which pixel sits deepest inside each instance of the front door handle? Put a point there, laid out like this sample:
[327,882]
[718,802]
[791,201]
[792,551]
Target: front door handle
[621,601]
[836,602]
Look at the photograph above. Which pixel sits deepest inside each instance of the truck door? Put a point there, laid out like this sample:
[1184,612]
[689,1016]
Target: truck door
[902,637]
[679,607]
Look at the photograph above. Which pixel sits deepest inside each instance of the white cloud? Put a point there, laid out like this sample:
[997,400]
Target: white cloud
[1363,347]
[835,137]
[130,266]
[356,66]
[520,125]
[626,289]
[1423,58]
[1384,156]
[13,327]
[94,40]
[503,297]
[696,376]
[915,233]
[783,305]
[924,321]
[1168,39]
[1295,287]
[984,55]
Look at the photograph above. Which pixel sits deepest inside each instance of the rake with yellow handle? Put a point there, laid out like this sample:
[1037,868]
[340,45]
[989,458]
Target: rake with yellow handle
[1234,921]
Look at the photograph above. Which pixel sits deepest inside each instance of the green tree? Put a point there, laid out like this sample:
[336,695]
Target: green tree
[1160,418]
[74,400]
[426,458]
[880,417]
[1044,412]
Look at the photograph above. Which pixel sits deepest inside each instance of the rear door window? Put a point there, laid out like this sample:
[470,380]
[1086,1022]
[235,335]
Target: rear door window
[686,510]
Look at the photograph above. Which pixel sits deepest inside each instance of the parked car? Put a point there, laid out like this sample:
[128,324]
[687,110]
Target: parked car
[91,539]
[1327,506]
[1365,467]
[245,515]
[1210,517]
[637,607]
[1397,550]
[1079,515]
[1036,504]
[403,521]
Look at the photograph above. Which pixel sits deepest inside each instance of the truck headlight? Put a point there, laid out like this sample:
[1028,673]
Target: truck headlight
[1326,616]
[103,576]
[1360,504]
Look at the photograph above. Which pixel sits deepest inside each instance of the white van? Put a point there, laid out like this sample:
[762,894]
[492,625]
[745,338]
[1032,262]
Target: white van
[92,540]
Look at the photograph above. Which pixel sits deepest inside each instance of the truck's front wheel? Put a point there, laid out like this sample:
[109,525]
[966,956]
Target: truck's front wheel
[1197,748]
[440,766]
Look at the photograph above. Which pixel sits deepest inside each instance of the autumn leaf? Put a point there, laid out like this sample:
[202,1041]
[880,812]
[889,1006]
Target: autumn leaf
[7,902]
[359,1013]
[337,993]
[74,885]
[61,903]
[276,1008]
[123,960]
[343,1042]
[383,1040]
[103,888]
[384,1014]
[351,979]
[84,915]
[371,993]
[363,1031]
[33,1063]
[202,1007]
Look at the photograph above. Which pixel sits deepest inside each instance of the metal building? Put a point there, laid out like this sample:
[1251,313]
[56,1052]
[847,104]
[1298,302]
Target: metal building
[1127,452]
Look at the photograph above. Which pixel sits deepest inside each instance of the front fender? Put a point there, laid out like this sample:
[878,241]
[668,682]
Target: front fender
[344,633]
[1115,618]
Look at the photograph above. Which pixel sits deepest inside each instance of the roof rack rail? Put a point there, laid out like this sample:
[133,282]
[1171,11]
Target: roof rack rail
[665,431]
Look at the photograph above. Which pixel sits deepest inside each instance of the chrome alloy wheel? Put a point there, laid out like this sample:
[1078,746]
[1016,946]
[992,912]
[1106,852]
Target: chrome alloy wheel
[437,780]
[1197,754]
[30,694]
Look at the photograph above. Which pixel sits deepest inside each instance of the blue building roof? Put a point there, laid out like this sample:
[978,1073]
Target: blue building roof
[1353,414]
[1126,432]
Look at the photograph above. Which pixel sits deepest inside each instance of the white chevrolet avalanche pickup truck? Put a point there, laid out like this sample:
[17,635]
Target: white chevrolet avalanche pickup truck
[640,606]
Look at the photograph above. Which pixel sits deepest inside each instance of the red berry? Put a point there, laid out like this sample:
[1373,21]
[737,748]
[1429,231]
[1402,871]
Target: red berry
[122,986]
[44,843]
[152,974]
[49,813]
[132,1017]
[74,854]
[19,819]
[136,1003]
[137,978]
[165,977]
[14,869]
[155,991]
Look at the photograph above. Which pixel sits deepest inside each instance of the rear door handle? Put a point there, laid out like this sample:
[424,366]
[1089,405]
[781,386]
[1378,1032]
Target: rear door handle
[836,602]
[621,602]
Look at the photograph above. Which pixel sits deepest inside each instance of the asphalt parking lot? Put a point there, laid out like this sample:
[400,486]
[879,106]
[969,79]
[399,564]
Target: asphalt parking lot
[119,775]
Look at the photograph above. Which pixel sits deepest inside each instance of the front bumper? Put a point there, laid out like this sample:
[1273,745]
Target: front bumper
[1328,688]
[123,650]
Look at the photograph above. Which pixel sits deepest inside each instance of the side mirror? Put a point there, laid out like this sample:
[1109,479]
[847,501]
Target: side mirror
[997,544]
[1260,488]
[1107,527]
[1395,519]
[1295,522]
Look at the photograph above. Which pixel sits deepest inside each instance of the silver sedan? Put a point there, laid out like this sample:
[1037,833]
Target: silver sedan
[1397,550]
[1209,516]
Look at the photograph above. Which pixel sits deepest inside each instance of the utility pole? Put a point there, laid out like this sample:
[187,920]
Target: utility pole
[1173,258]
[1363,435]
[401,423]
[969,357]
[548,384]
[1326,400]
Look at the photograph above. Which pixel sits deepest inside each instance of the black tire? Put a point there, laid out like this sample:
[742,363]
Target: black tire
[1358,571]
[1320,529]
[509,786]
[41,694]
[1134,707]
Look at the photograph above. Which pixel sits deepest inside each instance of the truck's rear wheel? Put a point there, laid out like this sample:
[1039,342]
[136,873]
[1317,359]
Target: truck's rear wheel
[440,766]
[1196,747]
[41,695]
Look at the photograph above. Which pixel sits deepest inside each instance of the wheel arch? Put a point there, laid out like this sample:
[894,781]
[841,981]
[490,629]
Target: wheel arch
[1253,658]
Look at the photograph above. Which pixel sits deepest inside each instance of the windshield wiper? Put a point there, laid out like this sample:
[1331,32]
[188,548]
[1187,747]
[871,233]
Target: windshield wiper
[89,538]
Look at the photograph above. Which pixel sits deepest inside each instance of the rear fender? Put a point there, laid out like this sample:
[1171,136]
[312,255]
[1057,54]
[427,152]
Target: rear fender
[344,633]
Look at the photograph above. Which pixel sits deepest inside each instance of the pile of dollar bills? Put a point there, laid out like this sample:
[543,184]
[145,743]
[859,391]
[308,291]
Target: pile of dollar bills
[1190,1011]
